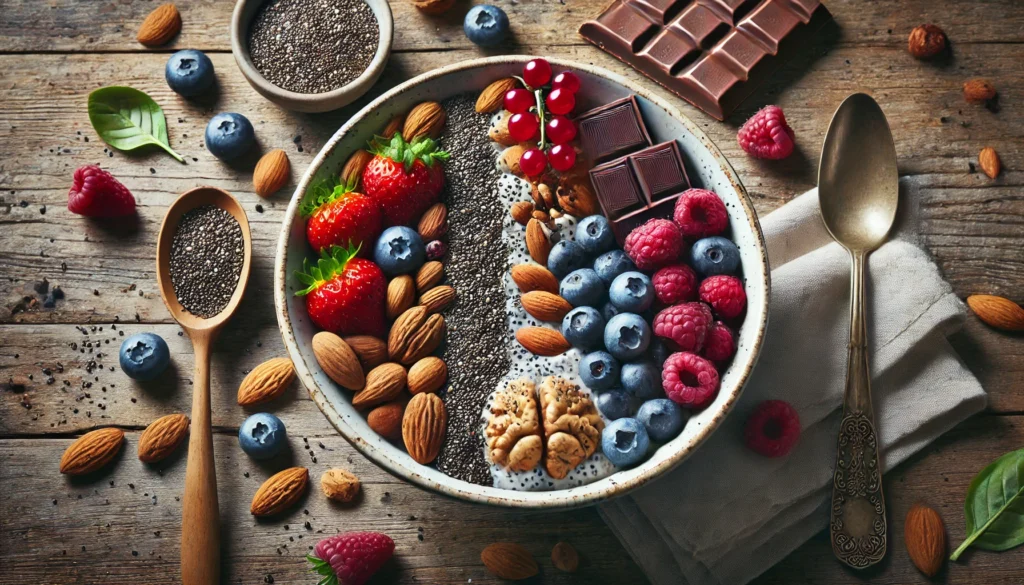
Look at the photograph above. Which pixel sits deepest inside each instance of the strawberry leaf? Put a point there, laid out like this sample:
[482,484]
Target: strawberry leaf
[323,192]
[324,569]
[331,263]
[422,148]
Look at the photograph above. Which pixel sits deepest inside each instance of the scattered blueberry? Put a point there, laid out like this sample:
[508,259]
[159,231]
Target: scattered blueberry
[584,328]
[189,72]
[565,257]
[594,235]
[436,249]
[582,287]
[631,291]
[486,25]
[614,404]
[662,418]
[611,264]
[715,255]
[144,356]
[229,135]
[262,436]
[599,370]
[399,250]
[626,336]
[609,310]
[624,442]
[641,379]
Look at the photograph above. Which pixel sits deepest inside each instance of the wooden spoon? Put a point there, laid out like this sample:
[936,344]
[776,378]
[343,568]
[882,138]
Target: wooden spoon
[200,517]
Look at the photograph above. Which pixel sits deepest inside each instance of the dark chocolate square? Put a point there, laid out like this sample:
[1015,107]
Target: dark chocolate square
[660,210]
[616,188]
[659,170]
[612,130]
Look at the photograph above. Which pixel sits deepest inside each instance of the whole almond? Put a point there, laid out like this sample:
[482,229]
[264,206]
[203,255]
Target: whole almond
[508,560]
[997,312]
[429,275]
[492,98]
[988,160]
[499,133]
[338,360]
[352,172]
[401,295]
[576,196]
[565,558]
[438,298]
[542,341]
[427,375]
[521,211]
[394,125]
[545,306]
[383,384]
[160,26]
[554,214]
[511,155]
[425,119]
[542,195]
[386,420]
[423,427]
[91,451]
[434,222]
[433,7]
[542,216]
[162,437]
[415,334]
[280,492]
[926,41]
[978,91]
[271,173]
[925,537]
[537,242]
[266,382]
[371,351]
[339,485]
[530,277]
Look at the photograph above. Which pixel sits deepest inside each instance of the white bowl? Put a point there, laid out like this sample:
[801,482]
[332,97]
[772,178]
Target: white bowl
[706,167]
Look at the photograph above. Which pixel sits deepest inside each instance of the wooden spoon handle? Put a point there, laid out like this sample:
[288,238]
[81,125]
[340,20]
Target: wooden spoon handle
[200,517]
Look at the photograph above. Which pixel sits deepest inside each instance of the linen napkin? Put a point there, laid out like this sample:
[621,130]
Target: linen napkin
[727,514]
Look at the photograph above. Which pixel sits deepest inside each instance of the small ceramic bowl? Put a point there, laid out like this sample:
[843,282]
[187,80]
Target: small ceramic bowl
[244,12]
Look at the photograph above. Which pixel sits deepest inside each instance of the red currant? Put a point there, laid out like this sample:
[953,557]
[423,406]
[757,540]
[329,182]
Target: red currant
[519,100]
[533,162]
[561,101]
[566,80]
[537,73]
[523,127]
[562,157]
[560,130]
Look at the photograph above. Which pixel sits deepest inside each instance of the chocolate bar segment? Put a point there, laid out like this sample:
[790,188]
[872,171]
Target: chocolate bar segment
[612,130]
[659,170]
[617,188]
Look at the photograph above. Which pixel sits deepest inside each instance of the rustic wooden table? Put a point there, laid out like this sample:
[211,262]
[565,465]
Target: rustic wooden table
[123,527]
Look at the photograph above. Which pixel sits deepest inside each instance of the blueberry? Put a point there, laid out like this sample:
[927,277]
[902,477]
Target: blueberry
[611,264]
[399,250]
[659,351]
[582,288]
[599,370]
[642,379]
[662,418]
[229,135]
[715,255]
[189,72]
[262,436]
[614,404]
[144,356]
[584,328]
[624,442]
[565,257]
[595,235]
[486,25]
[608,311]
[631,291]
[626,336]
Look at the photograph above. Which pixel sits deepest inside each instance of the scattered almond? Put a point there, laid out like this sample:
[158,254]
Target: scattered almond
[434,222]
[415,334]
[565,558]
[925,537]
[978,91]
[394,125]
[383,384]
[542,341]
[338,360]
[339,485]
[537,242]
[386,420]
[438,298]
[162,437]
[427,375]
[521,211]
[499,131]
[997,312]
[530,277]
[400,296]
[425,119]
[280,492]
[266,382]
[492,98]
[510,561]
[370,350]
[545,306]
[988,160]
[162,24]
[433,7]
[352,172]
[271,173]
[423,427]
[91,451]
[429,276]
[926,41]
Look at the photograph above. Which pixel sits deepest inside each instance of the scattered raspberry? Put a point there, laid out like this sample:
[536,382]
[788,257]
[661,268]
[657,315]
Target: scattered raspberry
[351,558]
[689,380]
[766,135]
[773,429]
[96,193]
[654,244]
[675,284]
[685,325]
[700,213]
[720,343]
[725,295]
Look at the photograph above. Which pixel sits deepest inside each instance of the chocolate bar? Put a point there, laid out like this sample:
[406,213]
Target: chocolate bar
[712,53]
[612,130]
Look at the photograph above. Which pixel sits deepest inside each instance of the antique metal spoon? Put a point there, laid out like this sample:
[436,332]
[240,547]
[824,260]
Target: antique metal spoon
[200,517]
[858,188]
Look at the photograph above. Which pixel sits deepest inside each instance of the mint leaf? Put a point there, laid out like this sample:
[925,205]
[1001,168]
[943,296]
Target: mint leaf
[127,119]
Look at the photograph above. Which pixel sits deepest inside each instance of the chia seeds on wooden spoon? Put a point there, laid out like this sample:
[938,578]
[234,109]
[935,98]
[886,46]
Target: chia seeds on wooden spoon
[206,260]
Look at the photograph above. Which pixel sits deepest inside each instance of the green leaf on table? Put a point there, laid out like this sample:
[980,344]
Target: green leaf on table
[994,507]
[127,118]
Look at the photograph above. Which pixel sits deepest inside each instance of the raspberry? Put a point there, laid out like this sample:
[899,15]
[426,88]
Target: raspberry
[700,213]
[766,135]
[96,193]
[654,244]
[772,429]
[720,343]
[689,380]
[675,284]
[685,325]
[351,558]
[725,295]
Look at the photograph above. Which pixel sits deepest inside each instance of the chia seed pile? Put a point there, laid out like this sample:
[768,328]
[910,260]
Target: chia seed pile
[313,46]
[206,260]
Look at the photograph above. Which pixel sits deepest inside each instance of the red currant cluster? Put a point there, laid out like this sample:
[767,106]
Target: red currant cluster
[532,121]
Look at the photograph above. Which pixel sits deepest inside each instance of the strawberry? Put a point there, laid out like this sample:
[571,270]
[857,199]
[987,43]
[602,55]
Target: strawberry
[351,558]
[339,216]
[404,178]
[344,294]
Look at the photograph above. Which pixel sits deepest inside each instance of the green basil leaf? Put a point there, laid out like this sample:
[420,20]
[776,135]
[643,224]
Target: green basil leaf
[127,118]
[994,507]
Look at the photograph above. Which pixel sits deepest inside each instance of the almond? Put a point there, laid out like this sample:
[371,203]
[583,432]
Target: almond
[926,41]
[925,537]
[266,382]
[429,276]
[383,384]
[499,131]
[371,351]
[510,157]
[352,172]
[997,312]
[386,420]
[521,211]
[542,216]
[542,341]
[339,485]
[508,560]
[160,26]
[433,7]
[414,335]
[545,306]
[338,360]
[576,196]
[427,375]
[271,173]
[394,125]
[162,437]
[530,277]
[542,195]
[978,91]
[434,222]
[492,98]
[565,558]
[437,299]
[425,119]
[537,242]
[989,161]
[423,427]
[401,295]
[280,492]
[554,214]
[91,451]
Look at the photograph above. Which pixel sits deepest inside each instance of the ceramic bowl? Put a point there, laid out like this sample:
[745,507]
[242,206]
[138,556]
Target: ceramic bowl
[244,12]
[706,167]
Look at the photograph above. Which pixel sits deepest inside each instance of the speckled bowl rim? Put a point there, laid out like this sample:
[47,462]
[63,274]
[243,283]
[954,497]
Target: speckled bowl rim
[588,494]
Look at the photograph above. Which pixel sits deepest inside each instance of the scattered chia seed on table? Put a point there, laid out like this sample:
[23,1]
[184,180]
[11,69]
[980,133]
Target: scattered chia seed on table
[313,46]
[476,349]
[206,260]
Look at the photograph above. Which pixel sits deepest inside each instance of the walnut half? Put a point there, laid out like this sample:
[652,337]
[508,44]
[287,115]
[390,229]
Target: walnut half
[572,426]
[513,431]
